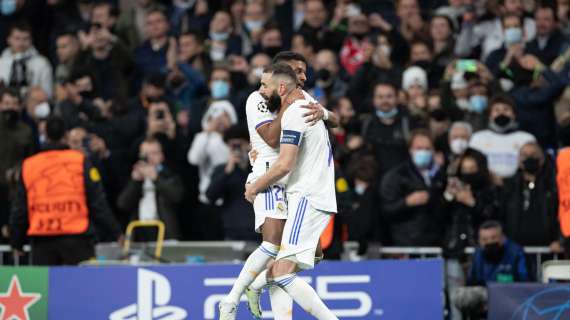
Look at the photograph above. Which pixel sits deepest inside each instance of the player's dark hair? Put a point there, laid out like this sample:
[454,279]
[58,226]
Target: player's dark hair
[286,56]
[283,69]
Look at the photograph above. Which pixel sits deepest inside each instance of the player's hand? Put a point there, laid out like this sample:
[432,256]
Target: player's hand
[315,113]
[250,193]
[252,154]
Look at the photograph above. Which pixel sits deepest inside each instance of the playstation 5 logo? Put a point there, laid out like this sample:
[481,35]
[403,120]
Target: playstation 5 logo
[153,296]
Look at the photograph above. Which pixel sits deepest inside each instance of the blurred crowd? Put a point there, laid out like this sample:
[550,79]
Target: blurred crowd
[452,112]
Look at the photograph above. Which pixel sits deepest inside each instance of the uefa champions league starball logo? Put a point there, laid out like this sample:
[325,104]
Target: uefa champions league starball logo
[549,304]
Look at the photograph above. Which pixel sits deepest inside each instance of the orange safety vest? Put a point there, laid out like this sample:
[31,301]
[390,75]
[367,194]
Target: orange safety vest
[55,191]
[563,181]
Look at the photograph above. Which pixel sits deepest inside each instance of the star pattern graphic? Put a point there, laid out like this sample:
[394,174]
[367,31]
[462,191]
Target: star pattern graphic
[15,303]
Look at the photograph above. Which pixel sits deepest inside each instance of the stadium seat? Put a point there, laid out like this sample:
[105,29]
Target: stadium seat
[556,270]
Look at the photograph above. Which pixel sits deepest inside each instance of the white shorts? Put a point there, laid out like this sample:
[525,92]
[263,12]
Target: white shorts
[302,232]
[270,204]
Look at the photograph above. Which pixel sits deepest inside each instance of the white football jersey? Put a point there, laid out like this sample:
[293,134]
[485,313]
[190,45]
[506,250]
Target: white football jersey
[258,115]
[313,174]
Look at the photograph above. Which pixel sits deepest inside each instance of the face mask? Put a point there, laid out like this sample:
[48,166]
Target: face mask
[274,102]
[422,158]
[220,89]
[323,75]
[257,72]
[424,64]
[272,51]
[513,35]
[493,252]
[478,103]
[359,36]
[502,121]
[386,50]
[42,110]
[10,117]
[531,165]
[463,104]
[86,94]
[219,36]
[8,7]
[359,189]
[458,146]
[473,179]
[252,25]
[387,114]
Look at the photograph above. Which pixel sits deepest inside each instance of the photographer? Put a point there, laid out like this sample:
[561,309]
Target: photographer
[154,191]
[227,184]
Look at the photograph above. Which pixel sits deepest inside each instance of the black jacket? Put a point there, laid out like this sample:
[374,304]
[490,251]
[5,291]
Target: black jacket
[100,216]
[237,214]
[555,46]
[412,226]
[462,222]
[169,192]
[541,214]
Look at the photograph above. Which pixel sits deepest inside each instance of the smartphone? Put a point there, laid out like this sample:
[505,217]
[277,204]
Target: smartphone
[466,65]
[143,158]
[160,114]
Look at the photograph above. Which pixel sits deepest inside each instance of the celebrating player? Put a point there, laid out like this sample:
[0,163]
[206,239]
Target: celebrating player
[306,155]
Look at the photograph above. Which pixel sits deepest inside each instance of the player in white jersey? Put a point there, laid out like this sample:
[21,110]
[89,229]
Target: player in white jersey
[269,207]
[305,153]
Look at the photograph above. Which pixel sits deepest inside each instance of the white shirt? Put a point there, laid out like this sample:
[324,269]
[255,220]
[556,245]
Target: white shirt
[258,115]
[313,174]
[502,150]
[147,205]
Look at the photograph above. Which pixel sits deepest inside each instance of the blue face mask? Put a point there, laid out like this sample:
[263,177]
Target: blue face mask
[513,35]
[478,103]
[8,7]
[220,89]
[254,24]
[219,36]
[387,114]
[422,158]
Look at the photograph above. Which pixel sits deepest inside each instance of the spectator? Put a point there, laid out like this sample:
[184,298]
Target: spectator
[489,34]
[271,42]
[16,144]
[497,259]
[208,150]
[530,201]
[411,194]
[329,84]
[549,42]
[78,107]
[109,61]
[59,236]
[421,55]
[458,142]
[227,184]
[150,57]
[254,18]
[223,42]
[352,51]
[387,128]
[441,33]
[67,50]
[21,65]
[37,111]
[154,191]
[314,26]
[415,86]
[411,21]
[502,140]
[131,22]
[192,51]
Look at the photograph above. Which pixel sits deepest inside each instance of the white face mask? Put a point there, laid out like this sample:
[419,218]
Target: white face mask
[463,104]
[42,110]
[458,146]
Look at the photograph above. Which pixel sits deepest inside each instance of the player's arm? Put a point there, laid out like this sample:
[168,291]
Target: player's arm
[284,164]
[317,112]
[270,131]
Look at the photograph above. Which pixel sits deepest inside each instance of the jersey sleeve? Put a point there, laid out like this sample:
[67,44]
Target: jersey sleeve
[257,112]
[293,126]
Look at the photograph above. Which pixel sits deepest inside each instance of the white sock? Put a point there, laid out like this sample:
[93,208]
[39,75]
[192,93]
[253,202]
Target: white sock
[260,281]
[254,264]
[281,303]
[305,296]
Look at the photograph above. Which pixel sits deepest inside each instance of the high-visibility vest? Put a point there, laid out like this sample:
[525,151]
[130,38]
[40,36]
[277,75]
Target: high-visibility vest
[55,190]
[563,182]
[328,234]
